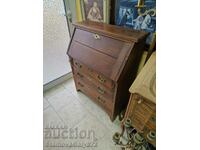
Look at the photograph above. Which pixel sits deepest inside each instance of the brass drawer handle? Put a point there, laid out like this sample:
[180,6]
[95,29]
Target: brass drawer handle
[101,100]
[81,84]
[100,90]
[96,37]
[101,79]
[79,65]
[80,75]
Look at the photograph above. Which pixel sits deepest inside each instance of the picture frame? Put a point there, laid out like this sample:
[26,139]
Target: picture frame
[93,10]
[138,15]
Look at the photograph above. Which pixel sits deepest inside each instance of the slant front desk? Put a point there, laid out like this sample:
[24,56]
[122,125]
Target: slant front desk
[104,60]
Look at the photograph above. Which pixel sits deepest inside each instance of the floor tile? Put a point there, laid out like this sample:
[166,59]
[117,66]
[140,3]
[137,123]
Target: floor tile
[92,107]
[53,91]
[93,124]
[50,117]
[106,143]
[50,120]
[61,99]
[73,113]
[70,85]
[45,103]
[63,105]
[98,112]
[83,99]
[112,126]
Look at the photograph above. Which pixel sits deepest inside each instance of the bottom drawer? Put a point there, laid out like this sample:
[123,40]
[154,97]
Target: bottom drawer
[106,104]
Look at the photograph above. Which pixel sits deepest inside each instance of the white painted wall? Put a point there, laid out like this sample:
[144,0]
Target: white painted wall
[55,39]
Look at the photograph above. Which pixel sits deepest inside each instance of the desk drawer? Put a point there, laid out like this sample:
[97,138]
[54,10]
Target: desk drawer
[102,80]
[105,103]
[152,122]
[102,90]
[139,112]
[109,46]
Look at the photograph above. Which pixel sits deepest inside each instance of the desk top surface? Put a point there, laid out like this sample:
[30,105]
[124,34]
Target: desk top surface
[112,30]
[145,82]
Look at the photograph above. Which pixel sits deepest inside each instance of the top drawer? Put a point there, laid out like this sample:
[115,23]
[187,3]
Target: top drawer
[106,45]
[98,78]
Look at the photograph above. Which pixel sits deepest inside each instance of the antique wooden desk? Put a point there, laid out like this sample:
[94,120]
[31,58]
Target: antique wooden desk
[104,60]
[141,110]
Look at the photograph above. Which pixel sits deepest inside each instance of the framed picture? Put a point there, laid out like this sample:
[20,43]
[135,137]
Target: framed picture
[93,10]
[138,15]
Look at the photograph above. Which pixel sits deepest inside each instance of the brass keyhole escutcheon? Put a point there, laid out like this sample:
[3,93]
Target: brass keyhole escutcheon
[96,36]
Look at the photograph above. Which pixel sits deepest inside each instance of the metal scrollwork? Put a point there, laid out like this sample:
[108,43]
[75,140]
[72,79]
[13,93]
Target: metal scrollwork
[134,140]
[140,5]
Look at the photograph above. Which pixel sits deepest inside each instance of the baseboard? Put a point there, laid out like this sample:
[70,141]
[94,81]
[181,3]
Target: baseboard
[57,81]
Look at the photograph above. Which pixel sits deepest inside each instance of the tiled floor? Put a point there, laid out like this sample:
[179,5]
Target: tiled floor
[67,109]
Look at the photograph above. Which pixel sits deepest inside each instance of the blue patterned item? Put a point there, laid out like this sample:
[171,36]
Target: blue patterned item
[127,15]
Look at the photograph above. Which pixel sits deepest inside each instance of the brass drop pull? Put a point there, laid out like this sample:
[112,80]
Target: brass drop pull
[101,79]
[100,90]
[79,65]
[101,100]
[80,75]
[96,37]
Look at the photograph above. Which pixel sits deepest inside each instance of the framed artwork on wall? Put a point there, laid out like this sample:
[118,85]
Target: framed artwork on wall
[93,10]
[138,15]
